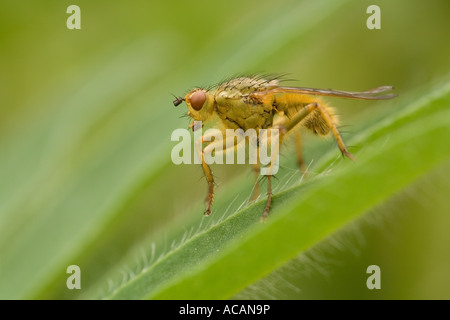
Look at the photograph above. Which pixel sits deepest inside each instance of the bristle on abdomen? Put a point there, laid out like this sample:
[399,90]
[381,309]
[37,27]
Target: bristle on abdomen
[317,124]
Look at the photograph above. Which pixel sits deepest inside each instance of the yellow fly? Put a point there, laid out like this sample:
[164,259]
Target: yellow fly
[257,102]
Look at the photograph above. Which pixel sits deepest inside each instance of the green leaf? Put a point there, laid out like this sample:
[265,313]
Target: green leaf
[86,117]
[222,260]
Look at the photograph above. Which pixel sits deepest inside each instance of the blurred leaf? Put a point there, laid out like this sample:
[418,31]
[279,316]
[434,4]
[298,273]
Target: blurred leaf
[86,117]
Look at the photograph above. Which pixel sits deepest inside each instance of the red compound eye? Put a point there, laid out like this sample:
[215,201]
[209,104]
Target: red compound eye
[198,98]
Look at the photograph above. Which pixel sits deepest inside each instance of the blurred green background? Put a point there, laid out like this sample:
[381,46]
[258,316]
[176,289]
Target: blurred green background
[86,117]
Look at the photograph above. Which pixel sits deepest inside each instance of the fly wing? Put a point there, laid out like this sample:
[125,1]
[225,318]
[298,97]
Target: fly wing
[373,94]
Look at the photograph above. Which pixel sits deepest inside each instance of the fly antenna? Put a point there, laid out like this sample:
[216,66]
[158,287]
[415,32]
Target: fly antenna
[177,101]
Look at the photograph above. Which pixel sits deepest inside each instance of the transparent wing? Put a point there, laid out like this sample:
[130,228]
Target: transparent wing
[373,94]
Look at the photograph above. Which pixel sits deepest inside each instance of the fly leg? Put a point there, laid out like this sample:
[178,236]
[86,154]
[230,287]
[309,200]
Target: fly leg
[299,116]
[256,170]
[273,166]
[298,148]
[207,171]
[269,198]
[284,125]
[219,146]
[256,191]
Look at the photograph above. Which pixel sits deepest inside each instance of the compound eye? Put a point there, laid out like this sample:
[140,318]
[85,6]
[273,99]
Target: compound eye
[198,98]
